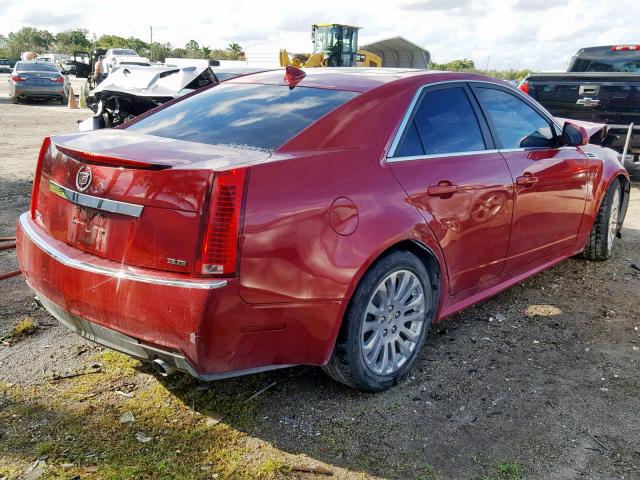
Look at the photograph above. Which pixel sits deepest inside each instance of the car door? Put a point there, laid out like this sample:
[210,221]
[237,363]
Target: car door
[444,158]
[550,181]
[82,62]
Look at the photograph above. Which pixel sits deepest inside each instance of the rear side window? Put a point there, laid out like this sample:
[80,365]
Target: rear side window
[444,123]
[517,124]
[261,117]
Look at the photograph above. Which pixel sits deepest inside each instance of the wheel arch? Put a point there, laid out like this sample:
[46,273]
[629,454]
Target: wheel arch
[424,253]
[625,182]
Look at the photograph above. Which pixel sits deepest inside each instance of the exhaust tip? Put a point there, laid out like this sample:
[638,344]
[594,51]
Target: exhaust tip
[162,368]
[37,301]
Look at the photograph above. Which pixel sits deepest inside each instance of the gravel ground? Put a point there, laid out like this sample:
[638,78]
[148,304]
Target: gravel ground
[545,375]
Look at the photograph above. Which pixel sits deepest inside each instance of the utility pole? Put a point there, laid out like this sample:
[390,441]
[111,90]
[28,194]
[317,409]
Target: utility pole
[151,34]
[151,43]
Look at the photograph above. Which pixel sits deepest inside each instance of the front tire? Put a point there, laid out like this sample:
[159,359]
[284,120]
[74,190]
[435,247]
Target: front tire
[604,232]
[385,324]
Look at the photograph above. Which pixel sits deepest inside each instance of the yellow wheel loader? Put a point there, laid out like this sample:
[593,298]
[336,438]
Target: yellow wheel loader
[334,45]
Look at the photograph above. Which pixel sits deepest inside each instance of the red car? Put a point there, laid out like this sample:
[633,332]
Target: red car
[323,219]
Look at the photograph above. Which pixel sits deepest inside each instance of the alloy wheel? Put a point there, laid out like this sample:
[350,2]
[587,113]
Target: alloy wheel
[393,322]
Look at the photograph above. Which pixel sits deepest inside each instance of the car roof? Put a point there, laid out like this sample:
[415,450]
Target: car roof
[358,79]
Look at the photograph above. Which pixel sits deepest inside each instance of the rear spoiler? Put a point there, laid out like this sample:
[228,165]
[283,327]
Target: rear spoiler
[109,161]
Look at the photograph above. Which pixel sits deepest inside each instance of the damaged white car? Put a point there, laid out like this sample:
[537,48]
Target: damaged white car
[130,91]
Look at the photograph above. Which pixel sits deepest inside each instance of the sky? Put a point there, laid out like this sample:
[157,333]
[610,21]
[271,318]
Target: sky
[535,34]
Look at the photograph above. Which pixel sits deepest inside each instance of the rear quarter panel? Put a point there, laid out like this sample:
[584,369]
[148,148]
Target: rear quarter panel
[289,250]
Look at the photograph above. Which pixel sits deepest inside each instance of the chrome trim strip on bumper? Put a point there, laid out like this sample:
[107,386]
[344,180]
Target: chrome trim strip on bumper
[112,272]
[98,203]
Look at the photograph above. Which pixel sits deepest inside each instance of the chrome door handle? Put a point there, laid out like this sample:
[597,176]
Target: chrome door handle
[442,189]
[526,180]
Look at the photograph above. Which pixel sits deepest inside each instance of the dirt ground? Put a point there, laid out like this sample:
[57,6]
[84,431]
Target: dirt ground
[539,382]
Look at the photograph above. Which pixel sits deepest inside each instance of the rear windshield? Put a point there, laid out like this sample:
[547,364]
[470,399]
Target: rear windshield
[124,52]
[260,117]
[222,76]
[606,60]
[35,67]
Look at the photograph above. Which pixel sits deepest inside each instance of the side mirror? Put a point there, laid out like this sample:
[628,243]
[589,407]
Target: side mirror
[573,135]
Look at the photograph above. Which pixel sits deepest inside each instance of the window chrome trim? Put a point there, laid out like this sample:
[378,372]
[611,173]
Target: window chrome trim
[120,274]
[441,155]
[104,204]
[405,120]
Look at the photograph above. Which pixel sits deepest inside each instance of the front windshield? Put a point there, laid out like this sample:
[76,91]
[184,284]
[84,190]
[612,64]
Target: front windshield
[339,44]
[325,39]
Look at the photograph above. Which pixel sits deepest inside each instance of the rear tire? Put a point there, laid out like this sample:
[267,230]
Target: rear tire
[385,324]
[15,100]
[64,100]
[604,232]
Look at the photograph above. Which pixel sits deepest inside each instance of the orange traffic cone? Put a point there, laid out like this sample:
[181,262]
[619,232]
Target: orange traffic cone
[72,99]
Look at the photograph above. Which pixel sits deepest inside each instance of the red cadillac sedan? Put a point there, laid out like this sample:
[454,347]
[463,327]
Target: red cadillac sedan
[325,217]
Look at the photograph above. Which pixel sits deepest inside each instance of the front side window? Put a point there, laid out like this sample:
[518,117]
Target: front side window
[444,123]
[516,123]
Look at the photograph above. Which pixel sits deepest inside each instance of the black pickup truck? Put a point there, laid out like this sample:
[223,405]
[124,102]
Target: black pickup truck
[601,85]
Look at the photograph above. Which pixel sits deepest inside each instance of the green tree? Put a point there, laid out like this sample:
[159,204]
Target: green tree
[111,41]
[72,40]
[138,45]
[192,45]
[159,51]
[28,39]
[179,53]
[235,51]
[455,65]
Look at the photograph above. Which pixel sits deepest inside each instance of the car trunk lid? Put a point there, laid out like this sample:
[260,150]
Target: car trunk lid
[133,198]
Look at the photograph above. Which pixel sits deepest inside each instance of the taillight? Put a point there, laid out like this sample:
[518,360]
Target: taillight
[44,149]
[59,80]
[524,86]
[219,254]
[17,78]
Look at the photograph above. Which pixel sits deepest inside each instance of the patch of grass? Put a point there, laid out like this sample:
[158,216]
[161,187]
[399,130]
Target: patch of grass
[45,448]
[115,361]
[89,435]
[509,470]
[429,473]
[271,468]
[25,327]
[506,471]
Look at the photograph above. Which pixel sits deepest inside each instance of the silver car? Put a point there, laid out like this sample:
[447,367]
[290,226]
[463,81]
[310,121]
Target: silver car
[37,80]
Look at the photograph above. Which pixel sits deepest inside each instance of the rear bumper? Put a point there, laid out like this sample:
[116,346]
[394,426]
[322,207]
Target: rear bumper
[198,326]
[48,91]
[116,340]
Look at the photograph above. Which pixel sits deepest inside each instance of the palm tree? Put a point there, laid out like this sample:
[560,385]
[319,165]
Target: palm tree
[235,51]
